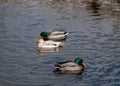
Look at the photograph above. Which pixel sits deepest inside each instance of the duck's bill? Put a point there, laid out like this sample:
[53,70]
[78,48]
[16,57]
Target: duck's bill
[83,64]
[39,37]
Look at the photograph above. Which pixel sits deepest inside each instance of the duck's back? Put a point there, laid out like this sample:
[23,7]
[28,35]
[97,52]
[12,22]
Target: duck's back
[56,32]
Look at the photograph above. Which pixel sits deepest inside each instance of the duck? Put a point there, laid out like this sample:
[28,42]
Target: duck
[54,35]
[76,66]
[41,43]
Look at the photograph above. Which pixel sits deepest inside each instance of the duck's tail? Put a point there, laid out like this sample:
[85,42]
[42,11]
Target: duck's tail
[66,33]
[57,66]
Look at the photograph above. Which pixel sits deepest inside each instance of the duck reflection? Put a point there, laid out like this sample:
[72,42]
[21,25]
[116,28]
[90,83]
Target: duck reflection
[78,72]
[48,49]
[94,7]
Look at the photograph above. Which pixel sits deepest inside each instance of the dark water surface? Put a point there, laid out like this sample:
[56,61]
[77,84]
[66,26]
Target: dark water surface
[94,35]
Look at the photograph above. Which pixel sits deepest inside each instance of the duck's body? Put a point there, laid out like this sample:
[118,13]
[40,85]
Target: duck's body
[70,66]
[48,44]
[54,35]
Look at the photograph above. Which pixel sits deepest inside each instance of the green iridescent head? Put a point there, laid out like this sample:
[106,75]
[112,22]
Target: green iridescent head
[43,34]
[78,61]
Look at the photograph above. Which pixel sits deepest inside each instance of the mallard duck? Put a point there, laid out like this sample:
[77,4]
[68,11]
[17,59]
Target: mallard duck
[54,35]
[48,44]
[76,66]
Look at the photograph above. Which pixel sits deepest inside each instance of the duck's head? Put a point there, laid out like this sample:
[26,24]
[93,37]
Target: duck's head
[44,34]
[79,61]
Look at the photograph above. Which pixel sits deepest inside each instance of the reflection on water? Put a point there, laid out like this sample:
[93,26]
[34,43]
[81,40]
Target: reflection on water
[94,35]
[4,0]
[104,7]
[94,6]
[48,49]
[68,72]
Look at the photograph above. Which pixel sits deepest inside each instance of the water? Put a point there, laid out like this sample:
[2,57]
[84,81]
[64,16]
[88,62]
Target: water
[94,35]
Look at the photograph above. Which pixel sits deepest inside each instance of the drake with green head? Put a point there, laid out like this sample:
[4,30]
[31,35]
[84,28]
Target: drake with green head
[44,35]
[54,35]
[76,66]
